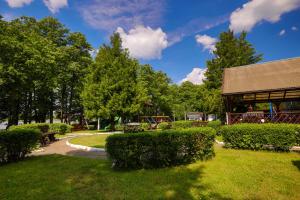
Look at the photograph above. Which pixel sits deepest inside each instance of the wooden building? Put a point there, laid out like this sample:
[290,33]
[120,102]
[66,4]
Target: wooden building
[276,85]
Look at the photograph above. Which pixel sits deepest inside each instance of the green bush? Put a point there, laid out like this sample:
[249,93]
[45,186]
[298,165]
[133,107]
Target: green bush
[215,125]
[261,136]
[145,126]
[182,124]
[16,144]
[119,127]
[60,128]
[160,149]
[43,127]
[188,124]
[164,126]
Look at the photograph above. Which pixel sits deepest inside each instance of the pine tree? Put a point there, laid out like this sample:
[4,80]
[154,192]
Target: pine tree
[230,51]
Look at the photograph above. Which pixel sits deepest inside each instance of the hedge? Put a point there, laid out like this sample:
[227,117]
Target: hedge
[261,136]
[187,124]
[164,125]
[160,149]
[59,128]
[16,144]
[145,126]
[215,125]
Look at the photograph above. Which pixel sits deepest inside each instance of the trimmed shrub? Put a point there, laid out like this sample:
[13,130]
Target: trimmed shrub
[145,126]
[60,128]
[16,144]
[182,124]
[164,126]
[119,127]
[43,127]
[160,149]
[188,124]
[260,136]
[215,125]
[298,136]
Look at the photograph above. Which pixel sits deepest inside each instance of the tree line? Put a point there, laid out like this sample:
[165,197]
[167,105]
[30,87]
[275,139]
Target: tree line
[45,68]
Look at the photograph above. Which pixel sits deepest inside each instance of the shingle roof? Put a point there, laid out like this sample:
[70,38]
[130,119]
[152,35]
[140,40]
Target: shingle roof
[275,75]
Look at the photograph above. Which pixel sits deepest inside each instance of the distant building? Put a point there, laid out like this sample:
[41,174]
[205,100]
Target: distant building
[194,116]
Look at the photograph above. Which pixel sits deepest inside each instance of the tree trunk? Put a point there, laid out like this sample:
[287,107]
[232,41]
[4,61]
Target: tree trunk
[51,107]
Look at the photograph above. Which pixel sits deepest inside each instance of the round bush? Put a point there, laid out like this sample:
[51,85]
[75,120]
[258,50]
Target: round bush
[160,149]
[164,126]
[16,144]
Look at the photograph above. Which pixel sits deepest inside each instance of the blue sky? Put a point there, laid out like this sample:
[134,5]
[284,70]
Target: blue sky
[174,36]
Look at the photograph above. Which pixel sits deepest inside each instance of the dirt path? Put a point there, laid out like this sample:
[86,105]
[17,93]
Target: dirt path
[60,147]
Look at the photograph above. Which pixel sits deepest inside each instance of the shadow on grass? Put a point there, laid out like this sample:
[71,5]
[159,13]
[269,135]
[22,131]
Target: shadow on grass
[296,163]
[83,178]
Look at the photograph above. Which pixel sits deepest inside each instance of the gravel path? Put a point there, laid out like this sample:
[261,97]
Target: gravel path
[60,147]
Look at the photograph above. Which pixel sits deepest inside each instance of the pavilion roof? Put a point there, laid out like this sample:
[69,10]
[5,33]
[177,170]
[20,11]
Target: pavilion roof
[262,77]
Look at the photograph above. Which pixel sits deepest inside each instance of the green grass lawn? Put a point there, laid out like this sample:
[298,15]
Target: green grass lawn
[232,174]
[97,141]
[81,132]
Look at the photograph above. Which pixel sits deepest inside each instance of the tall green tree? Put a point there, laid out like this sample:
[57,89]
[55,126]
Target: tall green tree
[231,51]
[156,91]
[111,87]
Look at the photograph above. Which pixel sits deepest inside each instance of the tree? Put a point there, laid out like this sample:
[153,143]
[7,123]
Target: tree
[230,51]
[111,87]
[155,90]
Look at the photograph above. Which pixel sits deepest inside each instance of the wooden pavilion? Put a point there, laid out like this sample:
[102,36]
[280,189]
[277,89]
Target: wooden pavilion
[276,85]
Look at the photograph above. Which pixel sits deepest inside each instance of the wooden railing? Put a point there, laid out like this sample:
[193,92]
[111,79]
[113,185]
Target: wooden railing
[262,117]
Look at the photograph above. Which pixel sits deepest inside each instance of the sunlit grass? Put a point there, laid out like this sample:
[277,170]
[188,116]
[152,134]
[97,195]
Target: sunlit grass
[97,141]
[232,174]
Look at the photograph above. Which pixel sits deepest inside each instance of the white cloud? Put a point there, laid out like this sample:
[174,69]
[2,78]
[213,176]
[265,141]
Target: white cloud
[8,16]
[207,42]
[282,32]
[195,26]
[256,11]
[144,42]
[55,5]
[294,28]
[18,3]
[110,14]
[197,76]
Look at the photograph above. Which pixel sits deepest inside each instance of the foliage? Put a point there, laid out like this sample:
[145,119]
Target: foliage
[149,150]
[16,144]
[182,124]
[154,91]
[164,125]
[187,124]
[43,127]
[42,66]
[145,126]
[230,51]
[119,127]
[60,128]
[216,124]
[257,136]
[111,86]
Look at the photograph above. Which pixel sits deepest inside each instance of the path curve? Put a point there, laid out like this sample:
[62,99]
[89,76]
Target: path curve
[60,147]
